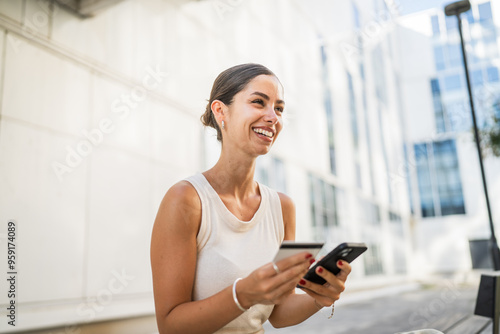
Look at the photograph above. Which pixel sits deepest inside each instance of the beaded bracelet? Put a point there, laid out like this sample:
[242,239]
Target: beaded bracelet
[236,298]
[321,308]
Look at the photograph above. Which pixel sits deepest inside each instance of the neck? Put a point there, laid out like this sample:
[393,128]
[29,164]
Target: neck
[233,174]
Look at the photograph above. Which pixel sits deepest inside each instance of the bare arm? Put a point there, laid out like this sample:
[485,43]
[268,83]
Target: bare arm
[173,262]
[298,307]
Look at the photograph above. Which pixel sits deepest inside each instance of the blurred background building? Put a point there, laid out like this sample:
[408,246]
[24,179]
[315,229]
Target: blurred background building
[447,198]
[100,104]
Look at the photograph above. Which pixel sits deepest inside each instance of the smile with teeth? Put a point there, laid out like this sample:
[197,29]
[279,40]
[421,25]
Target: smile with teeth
[268,134]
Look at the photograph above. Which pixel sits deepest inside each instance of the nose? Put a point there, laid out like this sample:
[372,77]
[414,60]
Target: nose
[270,115]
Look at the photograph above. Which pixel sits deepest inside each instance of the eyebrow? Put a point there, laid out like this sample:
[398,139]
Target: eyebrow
[267,97]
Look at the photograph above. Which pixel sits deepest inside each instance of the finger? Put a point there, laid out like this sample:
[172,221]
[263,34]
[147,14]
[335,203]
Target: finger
[282,285]
[333,286]
[272,269]
[324,296]
[302,263]
[293,274]
[345,270]
[331,289]
[328,276]
[272,279]
[294,260]
[282,291]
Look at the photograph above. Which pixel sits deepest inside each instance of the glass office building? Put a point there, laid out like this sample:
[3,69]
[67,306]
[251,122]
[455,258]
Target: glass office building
[447,198]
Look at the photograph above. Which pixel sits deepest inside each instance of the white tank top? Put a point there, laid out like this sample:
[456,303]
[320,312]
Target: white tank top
[229,248]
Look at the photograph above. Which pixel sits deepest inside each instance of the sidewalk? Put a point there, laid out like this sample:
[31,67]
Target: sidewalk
[392,309]
[397,307]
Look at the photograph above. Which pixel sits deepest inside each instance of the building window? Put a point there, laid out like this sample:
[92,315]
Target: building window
[439,182]
[449,184]
[359,182]
[439,58]
[470,17]
[435,87]
[485,12]
[327,102]
[424,180]
[378,62]
[373,260]
[323,206]
[439,113]
[454,55]
[492,73]
[477,78]
[394,217]
[408,181]
[367,126]
[353,110]
[451,23]
[271,172]
[435,25]
[355,13]
[473,56]
[452,82]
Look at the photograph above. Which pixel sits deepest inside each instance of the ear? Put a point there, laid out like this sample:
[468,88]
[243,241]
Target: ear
[219,109]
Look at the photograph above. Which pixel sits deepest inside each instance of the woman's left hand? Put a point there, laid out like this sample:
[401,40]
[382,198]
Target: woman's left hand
[328,293]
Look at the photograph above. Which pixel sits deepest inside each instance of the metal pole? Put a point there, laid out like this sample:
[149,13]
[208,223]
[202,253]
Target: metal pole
[496,306]
[495,251]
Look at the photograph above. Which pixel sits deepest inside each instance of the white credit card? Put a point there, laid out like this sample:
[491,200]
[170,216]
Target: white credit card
[289,248]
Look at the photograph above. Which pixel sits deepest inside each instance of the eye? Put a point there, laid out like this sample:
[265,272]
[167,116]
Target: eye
[258,101]
[279,109]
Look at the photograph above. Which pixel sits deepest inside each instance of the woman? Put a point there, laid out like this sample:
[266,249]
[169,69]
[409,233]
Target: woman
[216,233]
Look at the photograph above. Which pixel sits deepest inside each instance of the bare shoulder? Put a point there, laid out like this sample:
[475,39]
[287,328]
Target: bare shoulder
[286,202]
[182,191]
[180,208]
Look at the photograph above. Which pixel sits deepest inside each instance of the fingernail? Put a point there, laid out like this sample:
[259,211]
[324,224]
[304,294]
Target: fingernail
[311,261]
[302,282]
[339,263]
[308,256]
[320,270]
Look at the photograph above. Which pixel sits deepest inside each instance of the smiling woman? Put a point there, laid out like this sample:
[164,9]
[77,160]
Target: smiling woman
[227,85]
[216,232]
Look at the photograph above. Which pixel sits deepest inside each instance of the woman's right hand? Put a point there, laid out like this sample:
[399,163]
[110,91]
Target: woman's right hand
[266,286]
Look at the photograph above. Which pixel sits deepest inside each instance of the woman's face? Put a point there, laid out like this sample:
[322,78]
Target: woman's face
[254,118]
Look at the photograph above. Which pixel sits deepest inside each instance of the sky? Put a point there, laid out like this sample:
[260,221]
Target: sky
[413,6]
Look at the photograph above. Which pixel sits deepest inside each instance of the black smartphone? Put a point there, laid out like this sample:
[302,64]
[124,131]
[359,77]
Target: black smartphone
[347,251]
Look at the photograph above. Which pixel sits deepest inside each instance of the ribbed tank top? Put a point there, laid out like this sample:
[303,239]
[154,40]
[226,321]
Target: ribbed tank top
[229,248]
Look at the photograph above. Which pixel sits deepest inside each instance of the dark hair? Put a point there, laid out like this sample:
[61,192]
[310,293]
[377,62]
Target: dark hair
[227,84]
